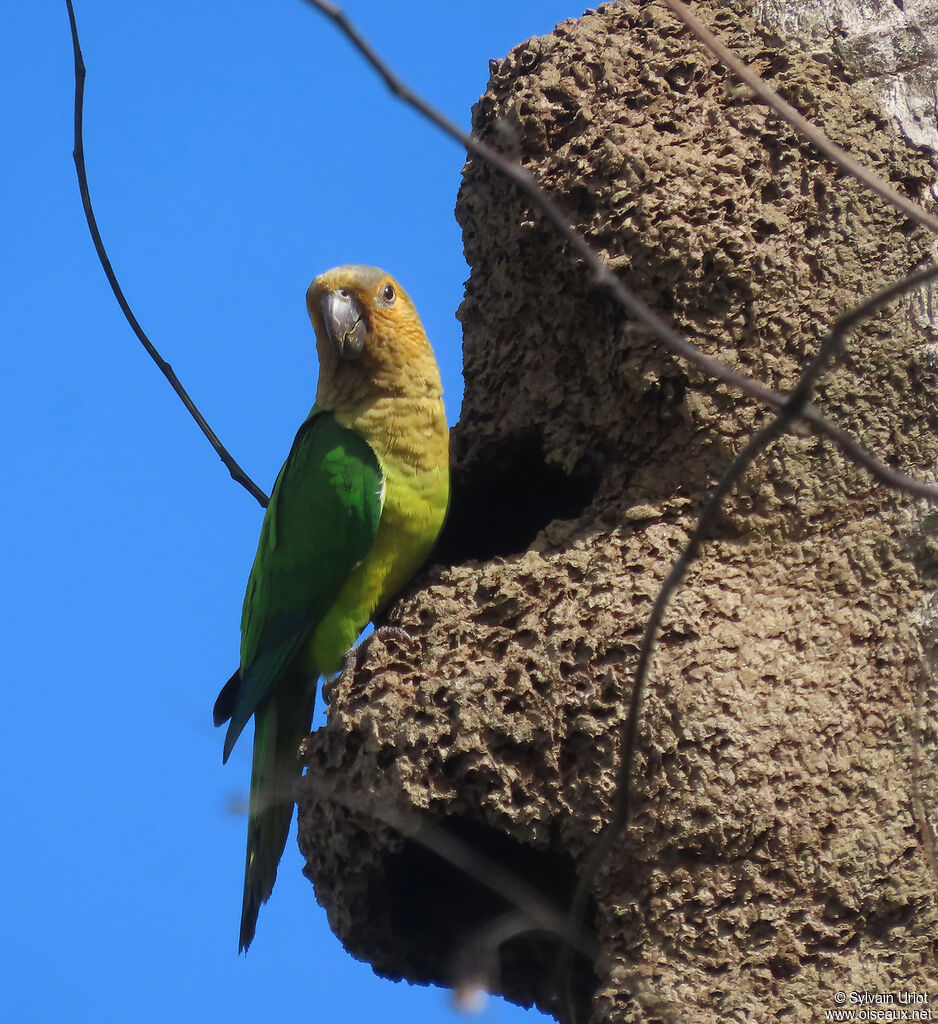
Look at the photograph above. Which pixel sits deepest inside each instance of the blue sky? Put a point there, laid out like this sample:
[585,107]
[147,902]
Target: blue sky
[234,151]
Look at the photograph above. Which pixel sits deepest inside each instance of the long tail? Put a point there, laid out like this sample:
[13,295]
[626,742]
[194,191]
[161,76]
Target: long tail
[279,728]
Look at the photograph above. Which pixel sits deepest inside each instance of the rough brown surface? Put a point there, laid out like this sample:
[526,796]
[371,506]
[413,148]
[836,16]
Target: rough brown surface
[776,857]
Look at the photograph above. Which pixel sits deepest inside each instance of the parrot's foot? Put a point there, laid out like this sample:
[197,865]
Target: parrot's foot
[397,633]
[352,658]
[381,633]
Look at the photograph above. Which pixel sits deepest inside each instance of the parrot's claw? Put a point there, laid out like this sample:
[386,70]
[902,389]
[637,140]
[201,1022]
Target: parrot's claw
[352,658]
[397,633]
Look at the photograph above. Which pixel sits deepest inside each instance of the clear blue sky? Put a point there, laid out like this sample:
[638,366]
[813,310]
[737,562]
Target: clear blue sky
[234,150]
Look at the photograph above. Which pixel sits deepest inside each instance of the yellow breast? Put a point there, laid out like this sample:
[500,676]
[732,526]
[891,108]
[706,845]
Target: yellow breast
[411,440]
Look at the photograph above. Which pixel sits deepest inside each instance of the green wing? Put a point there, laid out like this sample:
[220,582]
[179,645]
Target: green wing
[321,521]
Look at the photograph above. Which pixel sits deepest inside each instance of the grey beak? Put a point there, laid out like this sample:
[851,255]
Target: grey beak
[345,323]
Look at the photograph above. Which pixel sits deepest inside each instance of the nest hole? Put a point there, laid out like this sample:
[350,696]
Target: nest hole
[498,507]
[451,924]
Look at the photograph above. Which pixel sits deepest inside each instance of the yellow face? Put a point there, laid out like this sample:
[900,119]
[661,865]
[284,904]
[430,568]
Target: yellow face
[366,325]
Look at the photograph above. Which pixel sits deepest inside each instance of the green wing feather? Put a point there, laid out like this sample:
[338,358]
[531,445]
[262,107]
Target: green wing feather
[321,521]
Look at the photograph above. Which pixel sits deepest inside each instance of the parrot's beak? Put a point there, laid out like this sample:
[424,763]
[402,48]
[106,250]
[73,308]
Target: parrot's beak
[344,322]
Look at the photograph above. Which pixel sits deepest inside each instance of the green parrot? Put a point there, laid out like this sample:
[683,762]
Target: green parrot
[354,512]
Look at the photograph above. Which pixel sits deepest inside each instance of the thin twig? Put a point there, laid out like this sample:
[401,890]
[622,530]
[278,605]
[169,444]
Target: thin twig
[78,154]
[538,912]
[801,124]
[622,801]
[606,278]
[477,967]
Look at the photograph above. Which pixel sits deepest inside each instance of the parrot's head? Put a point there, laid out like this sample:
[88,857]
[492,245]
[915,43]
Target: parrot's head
[368,336]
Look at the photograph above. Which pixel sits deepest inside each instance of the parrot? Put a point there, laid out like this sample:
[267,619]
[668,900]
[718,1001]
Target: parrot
[354,513]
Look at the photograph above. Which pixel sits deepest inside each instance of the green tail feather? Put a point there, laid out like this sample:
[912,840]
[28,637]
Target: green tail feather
[279,727]
[225,702]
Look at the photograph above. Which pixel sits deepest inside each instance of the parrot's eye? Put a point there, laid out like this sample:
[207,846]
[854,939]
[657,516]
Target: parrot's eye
[387,295]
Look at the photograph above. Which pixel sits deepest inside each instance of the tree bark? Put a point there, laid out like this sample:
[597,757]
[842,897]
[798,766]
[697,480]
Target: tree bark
[892,44]
[779,849]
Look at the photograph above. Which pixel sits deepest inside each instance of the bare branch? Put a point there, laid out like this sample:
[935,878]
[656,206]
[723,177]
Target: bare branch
[606,278]
[801,124]
[237,473]
[537,912]
[477,967]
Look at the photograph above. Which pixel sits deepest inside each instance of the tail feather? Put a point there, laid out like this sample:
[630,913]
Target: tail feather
[279,728]
[225,701]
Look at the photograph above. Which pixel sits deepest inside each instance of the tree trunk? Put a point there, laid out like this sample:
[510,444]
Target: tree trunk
[778,852]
